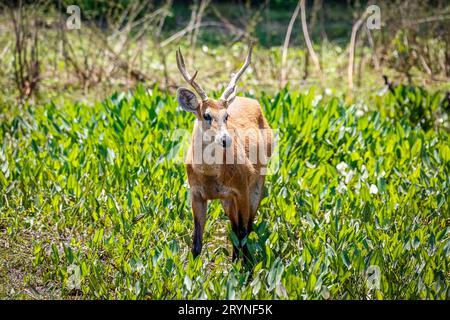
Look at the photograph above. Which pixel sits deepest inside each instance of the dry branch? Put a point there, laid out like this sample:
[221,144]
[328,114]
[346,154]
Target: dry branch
[198,20]
[311,51]
[351,58]
[286,45]
[26,61]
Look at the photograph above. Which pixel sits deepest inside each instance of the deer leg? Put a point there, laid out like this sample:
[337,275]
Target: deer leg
[243,223]
[199,206]
[256,195]
[229,206]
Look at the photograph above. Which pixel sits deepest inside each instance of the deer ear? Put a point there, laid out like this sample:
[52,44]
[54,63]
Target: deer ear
[187,100]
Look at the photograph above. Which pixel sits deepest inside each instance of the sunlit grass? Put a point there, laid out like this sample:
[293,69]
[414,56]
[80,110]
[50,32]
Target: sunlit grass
[101,212]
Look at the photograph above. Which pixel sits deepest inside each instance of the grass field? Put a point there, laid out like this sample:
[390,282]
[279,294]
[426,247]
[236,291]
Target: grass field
[93,206]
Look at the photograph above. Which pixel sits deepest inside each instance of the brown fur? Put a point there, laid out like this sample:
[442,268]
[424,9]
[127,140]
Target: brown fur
[238,186]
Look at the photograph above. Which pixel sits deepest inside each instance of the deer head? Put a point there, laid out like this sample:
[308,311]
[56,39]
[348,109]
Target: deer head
[212,114]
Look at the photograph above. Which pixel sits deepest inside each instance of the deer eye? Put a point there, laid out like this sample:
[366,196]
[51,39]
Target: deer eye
[226,118]
[207,117]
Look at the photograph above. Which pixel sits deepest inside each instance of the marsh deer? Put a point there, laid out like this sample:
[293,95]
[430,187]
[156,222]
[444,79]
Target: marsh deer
[227,158]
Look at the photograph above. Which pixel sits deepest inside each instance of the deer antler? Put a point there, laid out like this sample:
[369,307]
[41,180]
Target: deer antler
[230,92]
[188,78]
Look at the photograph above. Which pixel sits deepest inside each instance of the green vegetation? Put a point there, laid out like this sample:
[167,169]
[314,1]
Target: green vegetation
[93,203]
[92,206]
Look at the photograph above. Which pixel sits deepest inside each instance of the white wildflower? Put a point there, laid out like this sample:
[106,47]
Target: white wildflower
[349,176]
[327,216]
[365,174]
[316,100]
[373,189]
[342,167]
[358,187]
[342,188]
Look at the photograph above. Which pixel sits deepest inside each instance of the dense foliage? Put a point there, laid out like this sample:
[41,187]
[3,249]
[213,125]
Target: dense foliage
[102,211]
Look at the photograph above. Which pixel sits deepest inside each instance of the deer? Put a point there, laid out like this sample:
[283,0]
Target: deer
[234,178]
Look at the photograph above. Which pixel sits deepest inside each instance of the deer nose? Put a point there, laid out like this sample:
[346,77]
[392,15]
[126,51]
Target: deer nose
[226,141]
